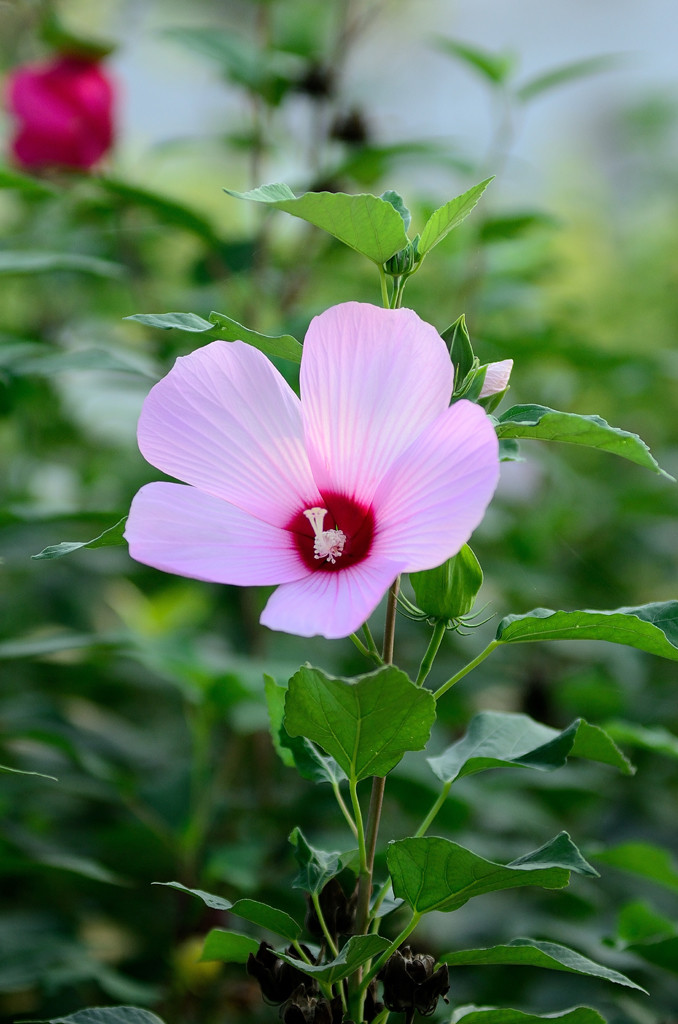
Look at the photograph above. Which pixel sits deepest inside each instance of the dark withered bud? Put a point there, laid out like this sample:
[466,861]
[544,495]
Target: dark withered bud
[318,82]
[410,983]
[337,908]
[373,1006]
[277,979]
[305,1008]
[350,128]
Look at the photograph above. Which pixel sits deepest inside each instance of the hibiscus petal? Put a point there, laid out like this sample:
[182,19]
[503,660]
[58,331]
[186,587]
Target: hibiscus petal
[330,604]
[371,380]
[181,530]
[226,421]
[432,499]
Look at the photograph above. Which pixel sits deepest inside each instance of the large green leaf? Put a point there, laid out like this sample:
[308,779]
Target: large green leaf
[431,873]
[109,1015]
[544,424]
[651,862]
[231,947]
[366,223]
[365,724]
[109,538]
[504,1015]
[277,921]
[641,930]
[501,740]
[220,326]
[357,951]
[449,216]
[650,627]
[36,262]
[532,953]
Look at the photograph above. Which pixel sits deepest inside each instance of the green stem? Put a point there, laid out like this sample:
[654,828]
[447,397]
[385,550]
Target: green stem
[385,301]
[466,669]
[344,809]
[360,828]
[397,942]
[369,641]
[428,820]
[431,651]
[378,783]
[331,944]
[369,650]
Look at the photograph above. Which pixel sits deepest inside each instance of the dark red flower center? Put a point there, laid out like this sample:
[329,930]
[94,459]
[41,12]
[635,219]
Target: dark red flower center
[354,523]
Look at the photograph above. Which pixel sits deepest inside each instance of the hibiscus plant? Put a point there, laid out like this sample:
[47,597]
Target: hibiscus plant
[366,485]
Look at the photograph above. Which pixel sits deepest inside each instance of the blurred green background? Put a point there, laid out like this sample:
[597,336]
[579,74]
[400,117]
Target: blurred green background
[142,693]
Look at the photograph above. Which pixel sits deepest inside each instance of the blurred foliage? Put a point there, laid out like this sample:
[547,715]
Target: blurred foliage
[143,694]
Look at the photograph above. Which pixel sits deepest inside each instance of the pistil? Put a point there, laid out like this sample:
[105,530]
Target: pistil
[328,544]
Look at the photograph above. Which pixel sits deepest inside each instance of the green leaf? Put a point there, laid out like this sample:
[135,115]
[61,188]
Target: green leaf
[398,203]
[557,852]
[500,1015]
[282,345]
[169,321]
[447,217]
[644,859]
[32,262]
[222,327]
[656,739]
[650,627]
[638,923]
[431,873]
[231,947]
[565,74]
[532,953]
[317,867]
[109,538]
[366,223]
[169,210]
[357,951]
[9,178]
[108,1015]
[502,740]
[366,724]
[20,771]
[496,67]
[211,901]
[250,910]
[544,424]
[47,363]
[268,72]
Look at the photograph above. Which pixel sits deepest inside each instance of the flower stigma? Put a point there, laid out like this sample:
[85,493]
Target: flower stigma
[328,544]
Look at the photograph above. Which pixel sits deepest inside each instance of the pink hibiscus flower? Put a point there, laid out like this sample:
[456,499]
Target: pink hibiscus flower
[370,474]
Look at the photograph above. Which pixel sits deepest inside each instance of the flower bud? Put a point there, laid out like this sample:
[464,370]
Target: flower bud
[404,261]
[410,983]
[277,979]
[64,113]
[338,911]
[496,377]
[306,1008]
[449,591]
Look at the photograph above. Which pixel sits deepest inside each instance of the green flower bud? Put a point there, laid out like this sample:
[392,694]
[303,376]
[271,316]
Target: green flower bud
[404,261]
[449,591]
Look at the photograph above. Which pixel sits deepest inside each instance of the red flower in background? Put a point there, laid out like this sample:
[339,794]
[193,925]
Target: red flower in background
[64,110]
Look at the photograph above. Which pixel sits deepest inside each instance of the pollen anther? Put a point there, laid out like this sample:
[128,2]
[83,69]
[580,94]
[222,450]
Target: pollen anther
[328,544]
